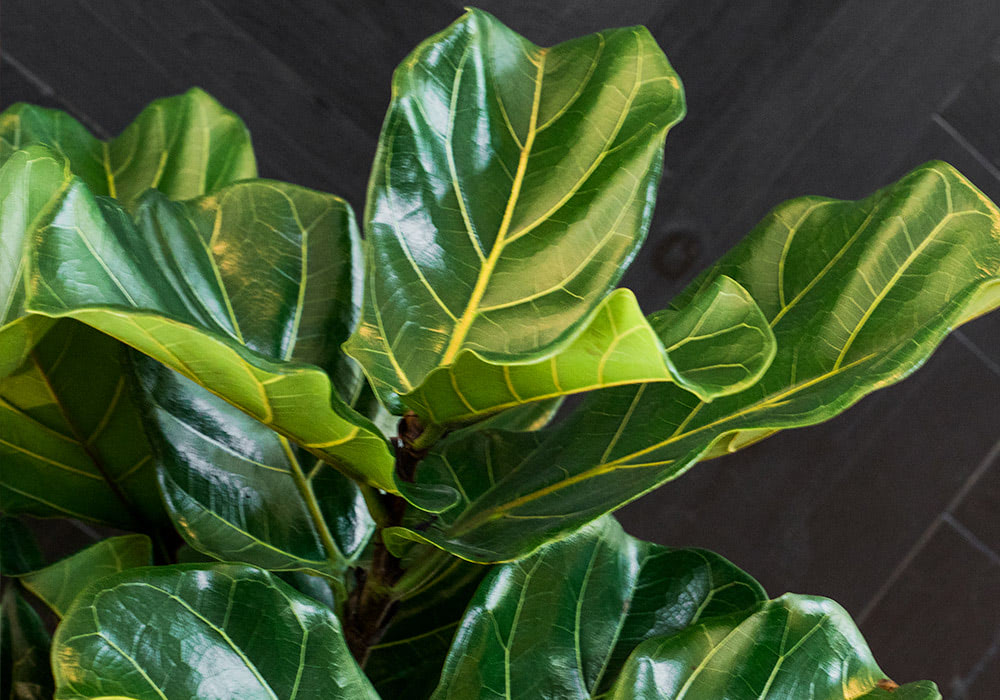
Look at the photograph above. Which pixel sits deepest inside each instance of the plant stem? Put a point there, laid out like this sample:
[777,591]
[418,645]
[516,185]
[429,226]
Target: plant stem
[377,592]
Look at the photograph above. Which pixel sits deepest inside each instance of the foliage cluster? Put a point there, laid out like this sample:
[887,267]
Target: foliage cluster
[336,459]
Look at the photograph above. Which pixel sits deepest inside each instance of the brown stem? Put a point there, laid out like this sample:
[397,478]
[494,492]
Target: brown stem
[372,603]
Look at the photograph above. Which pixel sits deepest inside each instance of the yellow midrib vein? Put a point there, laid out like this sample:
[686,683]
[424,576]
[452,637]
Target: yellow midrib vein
[464,324]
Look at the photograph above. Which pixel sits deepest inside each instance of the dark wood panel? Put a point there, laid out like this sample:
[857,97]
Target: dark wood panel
[949,575]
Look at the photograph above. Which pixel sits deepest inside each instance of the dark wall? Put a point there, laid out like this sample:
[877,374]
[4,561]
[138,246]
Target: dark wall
[890,509]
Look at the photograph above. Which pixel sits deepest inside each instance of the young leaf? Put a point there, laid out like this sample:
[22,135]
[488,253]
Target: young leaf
[185,146]
[562,622]
[789,647]
[71,442]
[616,346]
[195,631]
[234,290]
[24,650]
[858,295]
[511,187]
[58,584]
[238,491]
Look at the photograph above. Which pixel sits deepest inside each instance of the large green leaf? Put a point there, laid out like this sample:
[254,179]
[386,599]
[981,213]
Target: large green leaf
[185,146]
[235,290]
[71,442]
[858,295]
[69,437]
[24,651]
[561,623]
[600,614]
[191,631]
[58,584]
[238,491]
[792,647]
[719,344]
[512,185]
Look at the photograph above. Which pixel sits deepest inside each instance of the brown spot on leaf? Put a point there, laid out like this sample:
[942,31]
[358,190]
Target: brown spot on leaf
[886,684]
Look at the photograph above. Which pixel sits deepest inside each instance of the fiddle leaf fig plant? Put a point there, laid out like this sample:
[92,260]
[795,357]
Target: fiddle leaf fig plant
[337,462]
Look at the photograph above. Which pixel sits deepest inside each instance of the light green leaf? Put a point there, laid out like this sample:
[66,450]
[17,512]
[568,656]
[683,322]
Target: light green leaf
[858,295]
[185,146]
[71,442]
[511,187]
[58,584]
[795,646]
[616,346]
[238,491]
[24,651]
[191,631]
[561,623]
[719,343]
[235,290]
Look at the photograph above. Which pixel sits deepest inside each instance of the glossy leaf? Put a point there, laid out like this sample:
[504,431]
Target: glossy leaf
[511,187]
[185,146]
[858,295]
[792,647]
[58,584]
[31,182]
[235,291]
[719,343]
[238,491]
[71,442]
[69,438]
[190,631]
[562,622]
[24,651]
[616,346]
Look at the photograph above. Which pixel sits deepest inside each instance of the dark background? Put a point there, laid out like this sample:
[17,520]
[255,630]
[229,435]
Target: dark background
[889,509]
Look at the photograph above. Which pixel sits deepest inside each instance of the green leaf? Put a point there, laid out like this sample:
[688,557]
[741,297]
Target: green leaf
[858,295]
[795,646]
[719,343]
[24,651]
[30,183]
[562,622]
[58,584]
[190,631]
[238,491]
[616,346]
[235,290]
[184,146]
[71,442]
[511,187]
[19,551]
[406,662]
